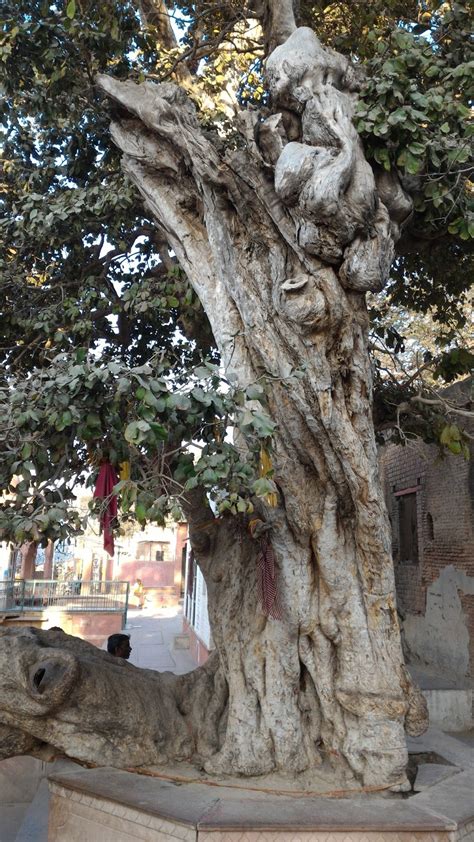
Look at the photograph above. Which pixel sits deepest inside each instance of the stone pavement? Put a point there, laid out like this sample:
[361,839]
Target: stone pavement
[23,796]
[152,632]
[19,781]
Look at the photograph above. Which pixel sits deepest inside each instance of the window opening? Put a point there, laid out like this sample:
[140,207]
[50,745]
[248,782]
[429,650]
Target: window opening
[408,528]
[430,526]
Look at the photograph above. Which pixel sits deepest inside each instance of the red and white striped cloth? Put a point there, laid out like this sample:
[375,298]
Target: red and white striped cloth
[267,579]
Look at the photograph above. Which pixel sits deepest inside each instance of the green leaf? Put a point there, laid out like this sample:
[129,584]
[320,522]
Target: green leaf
[159,431]
[382,156]
[417,148]
[64,421]
[181,402]
[151,400]
[131,432]
[264,425]
[201,396]
[263,486]
[203,372]
[71,9]
[398,116]
[208,476]
[413,164]
[158,386]
[93,420]
[255,392]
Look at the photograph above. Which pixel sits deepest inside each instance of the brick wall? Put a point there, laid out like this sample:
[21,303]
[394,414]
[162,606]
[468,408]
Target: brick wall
[443,490]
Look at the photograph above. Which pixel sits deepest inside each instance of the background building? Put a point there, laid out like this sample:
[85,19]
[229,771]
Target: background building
[430,500]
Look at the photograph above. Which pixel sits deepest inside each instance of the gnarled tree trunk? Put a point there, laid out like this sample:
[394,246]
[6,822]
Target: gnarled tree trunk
[281,237]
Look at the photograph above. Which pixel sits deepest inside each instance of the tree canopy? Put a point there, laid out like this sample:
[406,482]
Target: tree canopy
[106,350]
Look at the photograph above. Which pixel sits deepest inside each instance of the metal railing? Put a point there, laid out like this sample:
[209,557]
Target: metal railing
[37,594]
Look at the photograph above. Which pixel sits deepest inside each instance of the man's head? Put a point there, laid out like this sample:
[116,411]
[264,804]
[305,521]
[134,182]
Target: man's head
[119,645]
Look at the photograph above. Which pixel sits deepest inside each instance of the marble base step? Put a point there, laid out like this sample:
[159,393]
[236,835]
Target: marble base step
[116,806]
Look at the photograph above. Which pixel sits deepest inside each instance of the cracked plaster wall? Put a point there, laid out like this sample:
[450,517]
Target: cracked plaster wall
[440,637]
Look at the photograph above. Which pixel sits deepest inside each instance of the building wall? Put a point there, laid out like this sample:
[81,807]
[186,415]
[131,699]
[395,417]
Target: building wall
[153,574]
[94,626]
[5,560]
[196,617]
[198,651]
[435,589]
[162,580]
[136,558]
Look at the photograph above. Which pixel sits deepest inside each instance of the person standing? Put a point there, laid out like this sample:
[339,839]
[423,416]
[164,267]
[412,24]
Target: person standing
[139,593]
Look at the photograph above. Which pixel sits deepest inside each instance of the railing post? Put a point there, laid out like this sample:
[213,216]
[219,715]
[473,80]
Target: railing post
[22,599]
[126,605]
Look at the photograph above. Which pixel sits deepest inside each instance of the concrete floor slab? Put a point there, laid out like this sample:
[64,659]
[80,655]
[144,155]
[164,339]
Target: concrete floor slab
[152,632]
[430,774]
[466,737]
[445,745]
[452,798]
[11,817]
[19,779]
[34,826]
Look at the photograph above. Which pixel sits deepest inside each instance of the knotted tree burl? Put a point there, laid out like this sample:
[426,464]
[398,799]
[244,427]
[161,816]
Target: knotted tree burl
[281,236]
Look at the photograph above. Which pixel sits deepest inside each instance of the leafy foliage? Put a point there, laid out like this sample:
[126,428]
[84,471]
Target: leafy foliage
[82,262]
[64,420]
[103,340]
[419,122]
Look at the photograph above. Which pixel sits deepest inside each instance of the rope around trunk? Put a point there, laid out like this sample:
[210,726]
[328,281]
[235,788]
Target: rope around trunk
[335,793]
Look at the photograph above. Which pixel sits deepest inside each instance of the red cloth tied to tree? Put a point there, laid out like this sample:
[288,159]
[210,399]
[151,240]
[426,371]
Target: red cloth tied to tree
[267,587]
[267,580]
[103,490]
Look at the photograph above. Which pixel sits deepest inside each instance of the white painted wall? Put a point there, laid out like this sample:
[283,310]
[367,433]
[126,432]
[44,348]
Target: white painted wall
[5,553]
[440,638]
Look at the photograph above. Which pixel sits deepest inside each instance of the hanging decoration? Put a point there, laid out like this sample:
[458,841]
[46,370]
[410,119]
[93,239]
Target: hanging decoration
[266,469]
[124,472]
[104,486]
[266,570]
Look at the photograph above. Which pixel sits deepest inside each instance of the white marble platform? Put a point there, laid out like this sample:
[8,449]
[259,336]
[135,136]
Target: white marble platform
[116,806]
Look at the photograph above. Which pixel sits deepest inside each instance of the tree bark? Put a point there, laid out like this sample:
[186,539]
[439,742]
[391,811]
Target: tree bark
[281,237]
[60,693]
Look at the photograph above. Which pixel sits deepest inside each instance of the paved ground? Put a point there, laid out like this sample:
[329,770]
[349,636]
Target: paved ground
[152,633]
[466,737]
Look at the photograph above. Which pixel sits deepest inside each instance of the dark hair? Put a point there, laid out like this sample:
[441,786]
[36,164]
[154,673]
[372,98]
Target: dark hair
[116,640]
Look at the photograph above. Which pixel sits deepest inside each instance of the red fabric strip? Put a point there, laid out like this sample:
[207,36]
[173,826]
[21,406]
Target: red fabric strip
[103,490]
